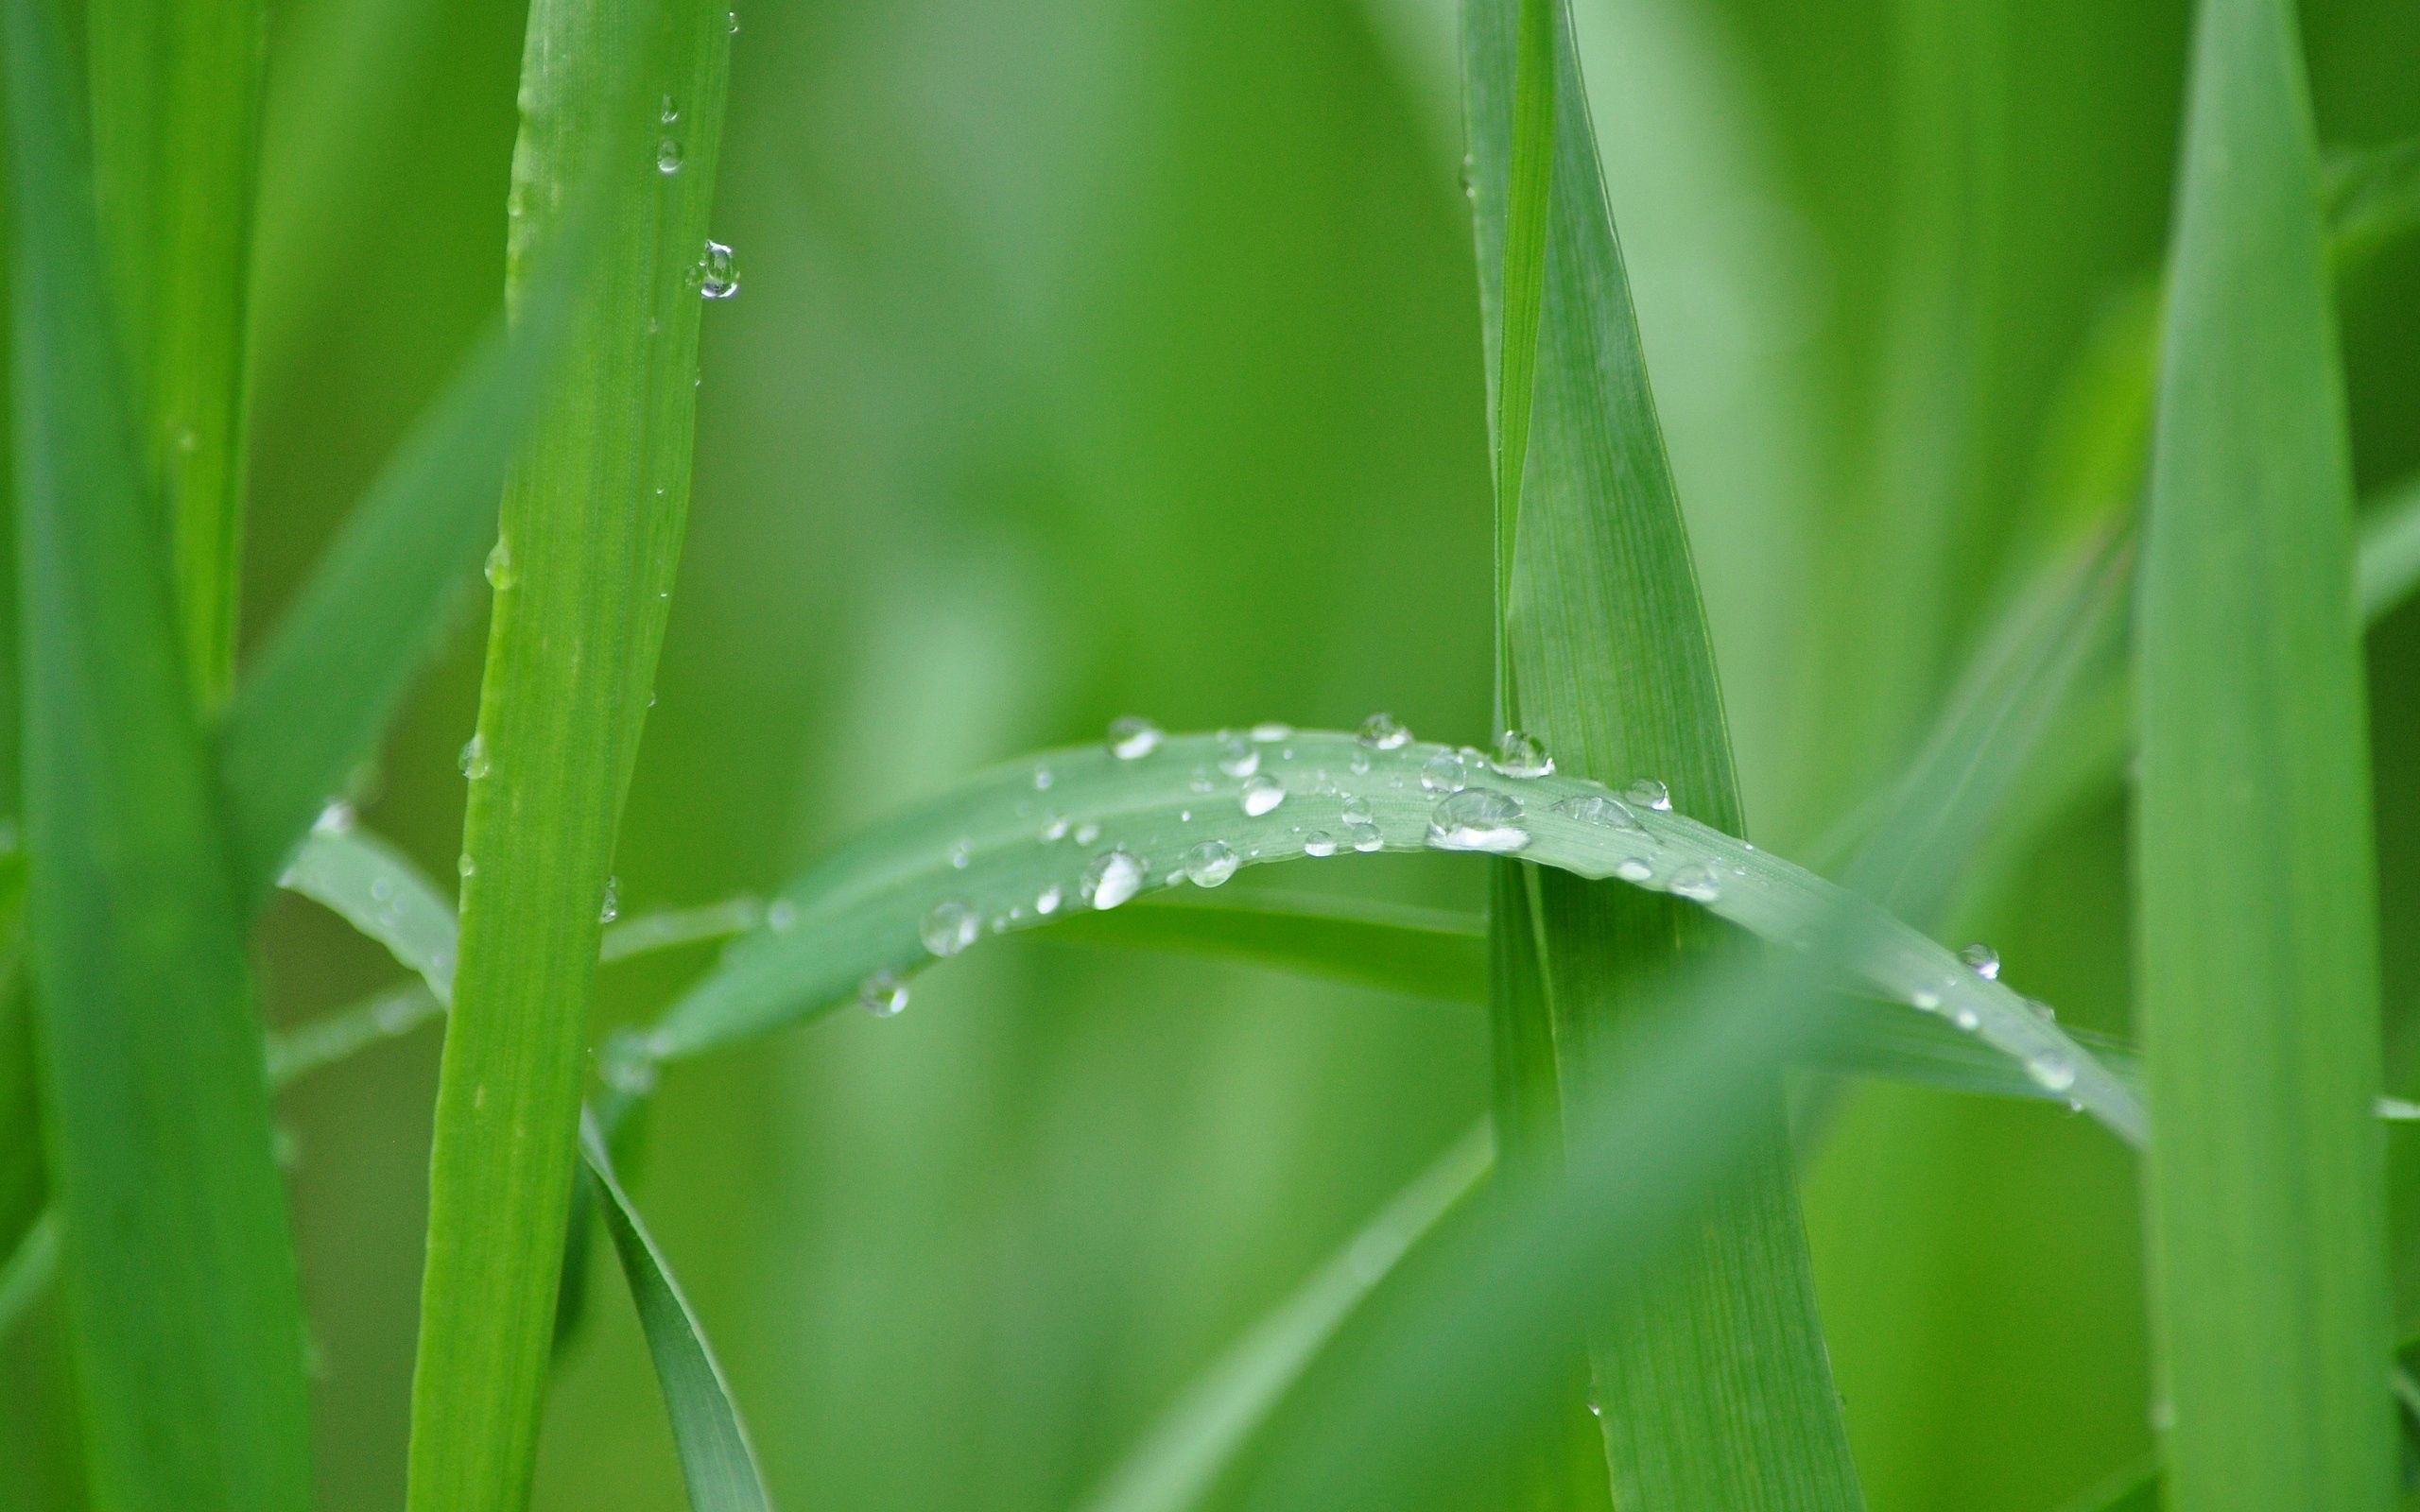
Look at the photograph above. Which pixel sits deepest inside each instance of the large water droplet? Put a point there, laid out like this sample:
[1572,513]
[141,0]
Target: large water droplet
[1600,809]
[1364,837]
[1238,757]
[1318,843]
[499,566]
[950,927]
[1479,819]
[1630,868]
[1261,793]
[883,995]
[1518,754]
[1356,811]
[1113,877]
[1444,773]
[1697,883]
[1649,794]
[1982,960]
[1131,737]
[1383,731]
[717,272]
[473,760]
[1211,863]
[2052,1070]
[667,155]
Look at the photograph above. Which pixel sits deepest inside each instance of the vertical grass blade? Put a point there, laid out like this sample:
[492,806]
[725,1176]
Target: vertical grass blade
[591,529]
[176,121]
[1713,1378]
[2258,951]
[181,1289]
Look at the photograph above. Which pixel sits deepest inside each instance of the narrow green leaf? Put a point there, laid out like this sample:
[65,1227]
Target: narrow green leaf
[590,538]
[2257,949]
[715,1461]
[2389,564]
[1608,660]
[373,888]
[176,121]
[181,1289]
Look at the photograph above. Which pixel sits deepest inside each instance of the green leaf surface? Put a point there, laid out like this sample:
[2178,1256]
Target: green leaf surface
[1714,1383]
[583,567]
[715,1461]
[2257,951]
[181,1288]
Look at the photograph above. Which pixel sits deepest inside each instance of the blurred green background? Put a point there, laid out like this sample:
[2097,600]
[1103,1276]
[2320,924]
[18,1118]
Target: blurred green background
[1122,357]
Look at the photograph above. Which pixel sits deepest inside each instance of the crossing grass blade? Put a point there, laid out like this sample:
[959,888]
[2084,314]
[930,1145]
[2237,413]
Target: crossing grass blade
[181,1289]
[590,537]
[1607,657]
[176,95]
[2257,958]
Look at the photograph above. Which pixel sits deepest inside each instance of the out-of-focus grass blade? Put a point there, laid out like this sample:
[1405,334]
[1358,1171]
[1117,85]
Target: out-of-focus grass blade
[2258,951]
[1001,854]
[181,1289]
[584,568]
[1607,657]
[715,1461]
[176,117]
[1180,1455]
[22,1191]
[2373,197]
[2389,564]
[370,883]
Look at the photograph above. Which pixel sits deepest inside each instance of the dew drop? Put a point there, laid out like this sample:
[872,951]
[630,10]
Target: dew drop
[1982,960]
[669,111]
[1132,737]
[1365,837]
[1271,730]
[464,867]
[961,856]
[1318,843]
[1965,1018]
[609,908]
[1356,811]
[1087,833]
[717,272]
[473,760]
[1211,863]
[499,566]
[1479,819]
[1046,901]
[1056,829]
[335,819]
[1238,757]
[1518,754]
[1262,793]
[883,995]
[1443,773]
[1924,999]
[1600,809]
[2051,1070]
[1696,883]
[1112,877]
[1383,731]
[781,916]
[1630,868]
[1200,781]
[950,927]
[667,155]
[1041,778]
[1649,793]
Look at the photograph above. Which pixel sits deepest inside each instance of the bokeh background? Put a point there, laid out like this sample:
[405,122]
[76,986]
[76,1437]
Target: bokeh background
[1097,356]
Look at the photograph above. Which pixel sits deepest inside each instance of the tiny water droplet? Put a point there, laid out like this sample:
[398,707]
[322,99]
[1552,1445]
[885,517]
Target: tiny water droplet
[1112,877]
[1982,960]
[950,927]
[1131,737]
[1365,837]
[335,819]
[667,155]
[1519,754]
[1443,773]
[730,23]
[961,856]
[1696,883]
[473,760]
[464,867]
[2051,1070]
[1271,730]
[1200,781]
[1046,901]
[1041,778]
[1261,793]
[1211,863]
[1649,793]
[1318,843]
[1924,999]
[1056,829]
[1965,1018]
[669,111]
[1479,819]
[883,995]
[1238,757]
[1087,833]
[781,916]
[717,272]
[1630,868]
[1359,763]
[609,907]
[499,566]
[1383,731]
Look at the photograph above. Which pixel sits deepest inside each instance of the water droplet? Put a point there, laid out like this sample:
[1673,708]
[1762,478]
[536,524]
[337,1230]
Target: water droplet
[1479,819]
[2051,1070]
[1047,902]
[1056,829]
[1356,811]
[730,23]
[1087,833]
[1113,877]
[1318,843]
[609,907]
[335,819]
[883,995]
[669,111]
[1982,960]
[1630,868]
[1965,1017]
[781,916]
[1365,837]
[961,856]
[1041,778]
[1200,781]
[950,927]
[1383,731]
[1696,883]
[1600,809]
[1131,737]
[1261,793]
[1649,793]
[1271,730]
[464,867]
[473,760]
[1443,773]
[1359,763]
[1238,757]
[667,155]
[1211,863]
[1518,754]
[499,566]
[717,272]
[1924,999]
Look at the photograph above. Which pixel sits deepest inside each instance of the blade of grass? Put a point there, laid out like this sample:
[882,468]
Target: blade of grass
[181,1288]
[591,529]
[2388,567]
[2258,951]
[176,92]
[715,1461]
[1608,658]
